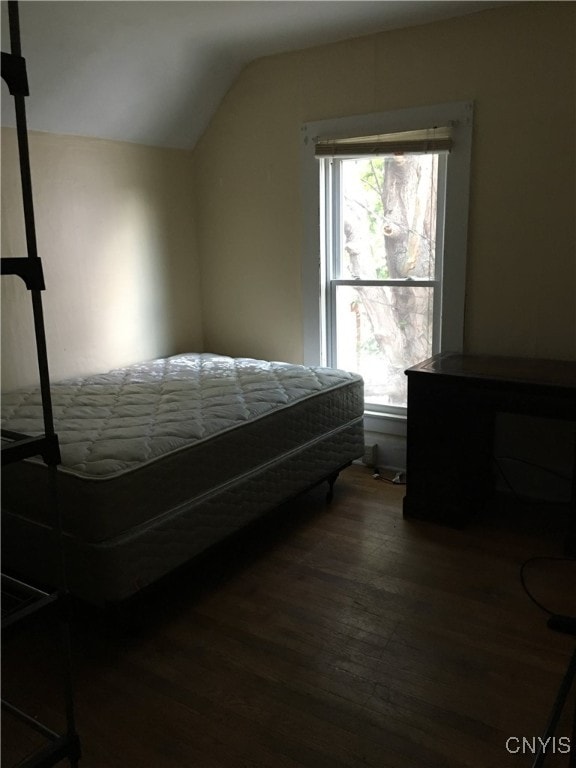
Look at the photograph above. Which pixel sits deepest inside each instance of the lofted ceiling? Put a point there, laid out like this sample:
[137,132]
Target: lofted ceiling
[154,72]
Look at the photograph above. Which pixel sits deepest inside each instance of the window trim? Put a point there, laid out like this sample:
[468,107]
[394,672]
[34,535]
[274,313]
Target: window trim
[459,115]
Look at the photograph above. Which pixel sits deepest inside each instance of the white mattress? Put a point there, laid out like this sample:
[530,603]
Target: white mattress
[161,459]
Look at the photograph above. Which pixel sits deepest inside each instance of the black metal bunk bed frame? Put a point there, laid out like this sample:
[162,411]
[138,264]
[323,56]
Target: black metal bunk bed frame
[20,600]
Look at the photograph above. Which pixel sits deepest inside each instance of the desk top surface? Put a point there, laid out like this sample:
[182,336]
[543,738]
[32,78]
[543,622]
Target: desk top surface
[552,373]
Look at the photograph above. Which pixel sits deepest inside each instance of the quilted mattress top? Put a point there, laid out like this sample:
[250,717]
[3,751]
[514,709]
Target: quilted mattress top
[109,424]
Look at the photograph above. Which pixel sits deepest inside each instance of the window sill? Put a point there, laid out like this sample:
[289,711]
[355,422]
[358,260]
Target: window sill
[386,423]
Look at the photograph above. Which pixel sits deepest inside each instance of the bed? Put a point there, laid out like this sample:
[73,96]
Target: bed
[163,459]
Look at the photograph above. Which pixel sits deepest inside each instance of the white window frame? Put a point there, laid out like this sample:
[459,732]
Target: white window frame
[450,336]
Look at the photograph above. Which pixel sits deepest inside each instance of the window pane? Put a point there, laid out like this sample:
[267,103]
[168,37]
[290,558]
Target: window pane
[381,331]
[388,217]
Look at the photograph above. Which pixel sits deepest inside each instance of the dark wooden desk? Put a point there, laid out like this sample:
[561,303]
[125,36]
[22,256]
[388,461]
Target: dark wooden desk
[452,404]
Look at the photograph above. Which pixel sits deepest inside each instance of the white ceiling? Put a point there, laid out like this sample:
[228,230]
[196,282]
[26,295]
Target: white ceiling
[154,72]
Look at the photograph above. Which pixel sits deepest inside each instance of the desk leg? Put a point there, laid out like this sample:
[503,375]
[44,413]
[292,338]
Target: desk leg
[570,543]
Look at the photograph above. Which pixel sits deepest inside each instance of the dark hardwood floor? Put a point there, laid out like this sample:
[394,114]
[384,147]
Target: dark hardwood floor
[327,637]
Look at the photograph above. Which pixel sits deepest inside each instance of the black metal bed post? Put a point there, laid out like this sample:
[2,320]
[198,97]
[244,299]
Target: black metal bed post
[30,228]
[30,270]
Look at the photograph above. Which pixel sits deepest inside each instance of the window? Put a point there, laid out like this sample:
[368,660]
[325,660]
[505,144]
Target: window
[386,224]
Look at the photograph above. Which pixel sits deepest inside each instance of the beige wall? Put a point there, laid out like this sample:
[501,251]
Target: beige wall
[518,65]
[117,222]
[116,235]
